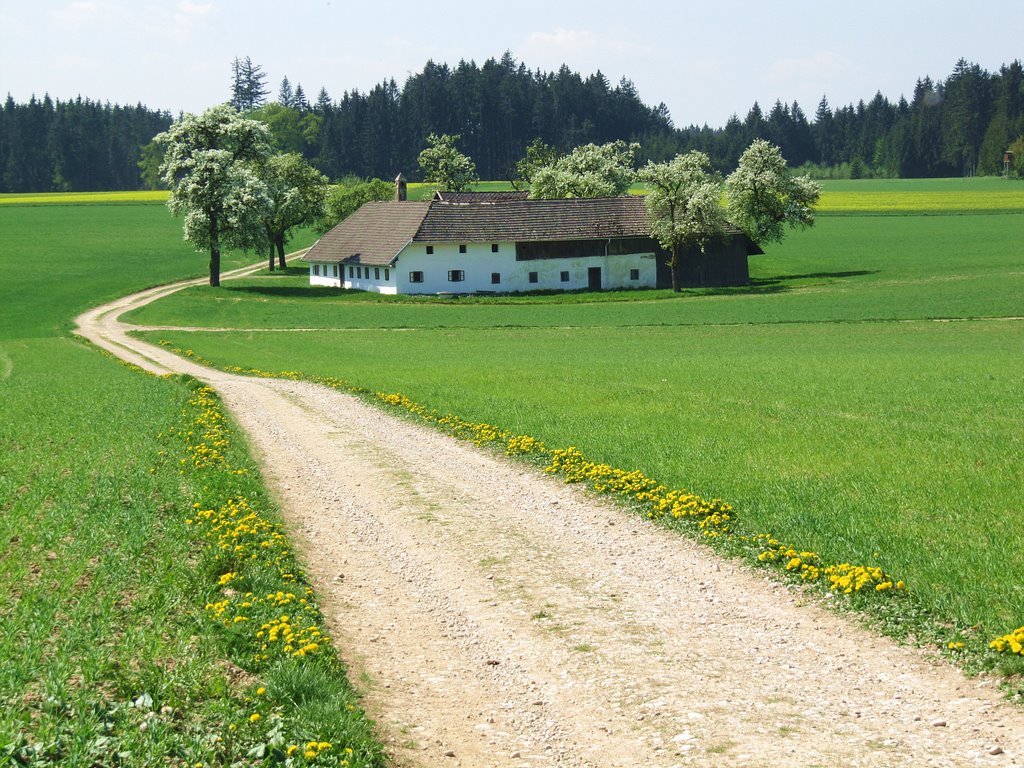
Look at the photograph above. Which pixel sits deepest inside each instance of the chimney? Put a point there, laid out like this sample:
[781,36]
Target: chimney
[400,186]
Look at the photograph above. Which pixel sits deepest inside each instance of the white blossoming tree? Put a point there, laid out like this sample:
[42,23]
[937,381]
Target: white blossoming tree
[444,166]
[763,198]
[297,193]
[588,171]
[211,165]
[684,206]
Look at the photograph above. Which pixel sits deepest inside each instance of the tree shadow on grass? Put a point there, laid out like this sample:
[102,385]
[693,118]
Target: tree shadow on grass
[292,270]
[779,282]
[754,288]
[286,291]
[812,275]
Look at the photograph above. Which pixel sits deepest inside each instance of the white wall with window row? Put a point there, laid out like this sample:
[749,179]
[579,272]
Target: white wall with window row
[481,267]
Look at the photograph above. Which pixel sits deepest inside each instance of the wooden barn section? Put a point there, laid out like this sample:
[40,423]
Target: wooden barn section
[722,263]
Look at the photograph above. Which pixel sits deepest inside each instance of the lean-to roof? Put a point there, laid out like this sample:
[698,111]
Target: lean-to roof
[372,235]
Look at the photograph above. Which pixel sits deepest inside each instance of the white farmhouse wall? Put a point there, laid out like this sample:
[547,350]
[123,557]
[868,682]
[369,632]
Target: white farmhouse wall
[324,274]
[372,279]
[376,279]
[479,262]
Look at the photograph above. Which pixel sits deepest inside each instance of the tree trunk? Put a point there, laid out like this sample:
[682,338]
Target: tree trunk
[271,263]
[674,264]
[214,253]
[280,252]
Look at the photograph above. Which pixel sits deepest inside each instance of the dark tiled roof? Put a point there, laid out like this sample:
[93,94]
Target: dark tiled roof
[480,197]
[518,220]
[378,231]
[371,235]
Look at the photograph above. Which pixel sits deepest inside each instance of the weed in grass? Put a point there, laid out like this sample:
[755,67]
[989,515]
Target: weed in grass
[274,632]
[719,749]
[1011,643]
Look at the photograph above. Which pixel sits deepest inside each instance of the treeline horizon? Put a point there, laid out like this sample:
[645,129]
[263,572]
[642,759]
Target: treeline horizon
[957,126]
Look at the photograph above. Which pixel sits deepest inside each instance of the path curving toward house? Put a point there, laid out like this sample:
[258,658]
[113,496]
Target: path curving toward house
[495,616]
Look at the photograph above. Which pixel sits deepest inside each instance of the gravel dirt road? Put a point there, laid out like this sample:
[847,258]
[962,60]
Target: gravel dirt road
[494,616]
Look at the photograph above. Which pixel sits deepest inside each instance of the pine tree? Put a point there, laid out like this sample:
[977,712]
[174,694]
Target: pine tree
[248,86]
[285,95]
[323,101]
[824,134]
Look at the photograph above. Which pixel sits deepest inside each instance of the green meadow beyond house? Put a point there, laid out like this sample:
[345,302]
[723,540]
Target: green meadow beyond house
[484,242]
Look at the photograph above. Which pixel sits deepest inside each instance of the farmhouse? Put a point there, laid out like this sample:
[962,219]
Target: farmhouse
[483,242]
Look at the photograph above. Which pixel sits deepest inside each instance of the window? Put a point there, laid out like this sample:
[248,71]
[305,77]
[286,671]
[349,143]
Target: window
[430,249]
[335,270]
[462,248]
[533,277]
[495,278]
[565,277]
[376,273]
[351,271]
[316,270]
[634,274]
[494,247]
[456,275]
[415,277]
[387,275]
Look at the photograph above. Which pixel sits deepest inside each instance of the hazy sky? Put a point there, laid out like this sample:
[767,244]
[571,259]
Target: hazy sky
[705,60]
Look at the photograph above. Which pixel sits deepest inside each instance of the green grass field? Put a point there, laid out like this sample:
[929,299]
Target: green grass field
[108,655]
[862,398]
[61,259]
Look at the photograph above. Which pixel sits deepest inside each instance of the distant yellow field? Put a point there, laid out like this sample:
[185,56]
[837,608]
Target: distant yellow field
[964,197]
[951,201]
[42,198]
